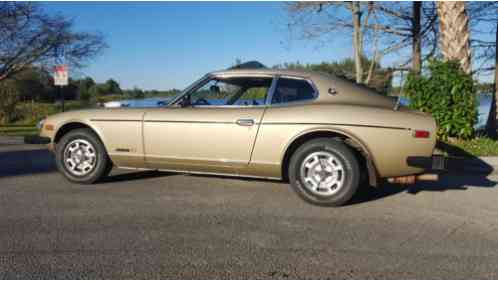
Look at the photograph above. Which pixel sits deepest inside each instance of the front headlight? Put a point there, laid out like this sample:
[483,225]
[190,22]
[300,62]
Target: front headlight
[40,124]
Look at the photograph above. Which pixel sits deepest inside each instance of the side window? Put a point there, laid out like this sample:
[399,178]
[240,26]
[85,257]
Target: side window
[253,96]
[214,92]
[239,91]
[292,90]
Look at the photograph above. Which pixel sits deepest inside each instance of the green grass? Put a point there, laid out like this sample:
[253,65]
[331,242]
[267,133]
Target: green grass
[479,146]
[18,130]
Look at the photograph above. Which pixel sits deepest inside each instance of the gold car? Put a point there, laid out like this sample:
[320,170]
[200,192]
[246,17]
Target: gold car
[322,133]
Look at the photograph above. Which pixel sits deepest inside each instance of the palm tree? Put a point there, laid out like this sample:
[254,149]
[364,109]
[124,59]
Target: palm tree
[454,32]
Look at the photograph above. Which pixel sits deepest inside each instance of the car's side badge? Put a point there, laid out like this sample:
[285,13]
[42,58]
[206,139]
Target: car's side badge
[332,91]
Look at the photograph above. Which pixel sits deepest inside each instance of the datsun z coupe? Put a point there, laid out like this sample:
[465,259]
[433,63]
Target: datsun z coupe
[323,134]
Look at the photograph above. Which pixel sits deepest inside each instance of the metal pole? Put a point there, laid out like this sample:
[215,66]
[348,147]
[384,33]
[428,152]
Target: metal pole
[61,92]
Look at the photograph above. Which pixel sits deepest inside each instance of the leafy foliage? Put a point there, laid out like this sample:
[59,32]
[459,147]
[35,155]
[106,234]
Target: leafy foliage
[448,94]
[9,91]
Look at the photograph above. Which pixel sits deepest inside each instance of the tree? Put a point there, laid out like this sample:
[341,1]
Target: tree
[454,33]
[330,15]
[483,19]
[9,91]
[390,27]
[402,24]
[29,36]
[112,87]
[34,84]
[84,86]
[95,92]
[137,93]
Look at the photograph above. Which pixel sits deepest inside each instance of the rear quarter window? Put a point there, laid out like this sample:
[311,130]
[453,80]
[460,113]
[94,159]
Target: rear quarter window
[293,90]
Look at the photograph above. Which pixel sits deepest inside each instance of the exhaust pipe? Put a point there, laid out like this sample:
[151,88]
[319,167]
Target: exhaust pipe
[413,179]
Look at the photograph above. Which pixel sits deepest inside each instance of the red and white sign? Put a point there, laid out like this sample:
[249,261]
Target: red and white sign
[61,75]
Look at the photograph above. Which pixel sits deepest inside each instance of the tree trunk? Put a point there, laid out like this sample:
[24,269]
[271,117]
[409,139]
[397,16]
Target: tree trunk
[357,40]
[454,35]
[417,38]
[491,126]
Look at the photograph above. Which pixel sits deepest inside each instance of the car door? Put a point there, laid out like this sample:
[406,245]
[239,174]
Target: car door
[213,132]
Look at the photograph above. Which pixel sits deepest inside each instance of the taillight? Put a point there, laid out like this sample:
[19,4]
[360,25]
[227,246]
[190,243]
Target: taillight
[421,134]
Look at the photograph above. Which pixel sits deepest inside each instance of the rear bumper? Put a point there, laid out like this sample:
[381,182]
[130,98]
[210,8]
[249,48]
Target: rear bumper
[433,163]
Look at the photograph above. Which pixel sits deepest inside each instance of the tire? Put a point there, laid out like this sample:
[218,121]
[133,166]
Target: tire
[324,172]
[88,163]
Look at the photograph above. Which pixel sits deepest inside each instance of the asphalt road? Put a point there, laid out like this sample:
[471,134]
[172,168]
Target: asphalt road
[159,225]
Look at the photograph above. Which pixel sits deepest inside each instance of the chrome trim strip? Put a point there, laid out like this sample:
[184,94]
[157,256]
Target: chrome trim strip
[115,120]
[230,106]
[201,173]
[337,124]
[194,122]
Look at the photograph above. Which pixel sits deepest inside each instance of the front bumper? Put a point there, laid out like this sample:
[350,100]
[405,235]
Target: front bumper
[432,163]
[44,140]
[40,140]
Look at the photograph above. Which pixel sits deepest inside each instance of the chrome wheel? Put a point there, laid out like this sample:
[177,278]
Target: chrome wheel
[80,157]
[322,173]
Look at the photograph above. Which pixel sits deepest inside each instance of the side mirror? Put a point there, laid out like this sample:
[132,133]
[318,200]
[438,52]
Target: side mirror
[214,89]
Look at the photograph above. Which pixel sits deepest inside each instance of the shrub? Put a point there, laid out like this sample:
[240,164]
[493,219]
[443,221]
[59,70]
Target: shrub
[9,97]
[448,94]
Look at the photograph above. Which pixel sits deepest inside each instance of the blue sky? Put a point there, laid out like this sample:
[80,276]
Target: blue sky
[170,44]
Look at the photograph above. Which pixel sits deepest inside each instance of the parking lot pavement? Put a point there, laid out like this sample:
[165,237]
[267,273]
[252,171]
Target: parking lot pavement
[160,225]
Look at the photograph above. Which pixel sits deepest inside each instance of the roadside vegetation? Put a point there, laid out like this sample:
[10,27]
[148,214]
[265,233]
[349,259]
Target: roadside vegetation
[479,146]
[449,94]
[18,130]
[30,96]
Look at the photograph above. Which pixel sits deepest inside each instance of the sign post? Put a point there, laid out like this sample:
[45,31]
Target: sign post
[61,79]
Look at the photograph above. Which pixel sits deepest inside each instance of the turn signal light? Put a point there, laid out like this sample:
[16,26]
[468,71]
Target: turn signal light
[421,134]
[49,127]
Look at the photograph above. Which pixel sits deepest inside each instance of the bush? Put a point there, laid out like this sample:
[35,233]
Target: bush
[32,112]
[9,97]
[448,94]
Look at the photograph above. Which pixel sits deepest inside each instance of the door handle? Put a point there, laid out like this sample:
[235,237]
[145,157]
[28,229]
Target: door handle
[245,122]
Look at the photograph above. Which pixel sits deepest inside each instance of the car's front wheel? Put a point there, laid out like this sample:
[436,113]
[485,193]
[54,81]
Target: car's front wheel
[324,172]
[81,157]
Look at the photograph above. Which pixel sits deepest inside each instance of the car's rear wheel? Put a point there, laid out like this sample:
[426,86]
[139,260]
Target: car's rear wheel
[324,172]
[81,157]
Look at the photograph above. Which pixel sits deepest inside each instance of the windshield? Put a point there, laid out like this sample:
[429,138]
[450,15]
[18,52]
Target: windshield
[186,90]
[235,91]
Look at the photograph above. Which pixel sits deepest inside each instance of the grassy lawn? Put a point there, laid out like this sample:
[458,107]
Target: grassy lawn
[18,130]
[479,146]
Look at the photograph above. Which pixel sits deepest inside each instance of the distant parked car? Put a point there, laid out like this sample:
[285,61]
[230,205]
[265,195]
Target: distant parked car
[324,134]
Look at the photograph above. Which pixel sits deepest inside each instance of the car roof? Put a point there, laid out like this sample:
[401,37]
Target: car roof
[266,71]
[256,68]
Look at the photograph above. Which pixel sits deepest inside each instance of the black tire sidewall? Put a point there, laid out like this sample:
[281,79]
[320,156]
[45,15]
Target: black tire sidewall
[343,154]
[102,160]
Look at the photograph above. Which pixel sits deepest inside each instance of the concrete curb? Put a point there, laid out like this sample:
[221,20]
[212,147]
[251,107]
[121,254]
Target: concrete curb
[12,140]
[7,140]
